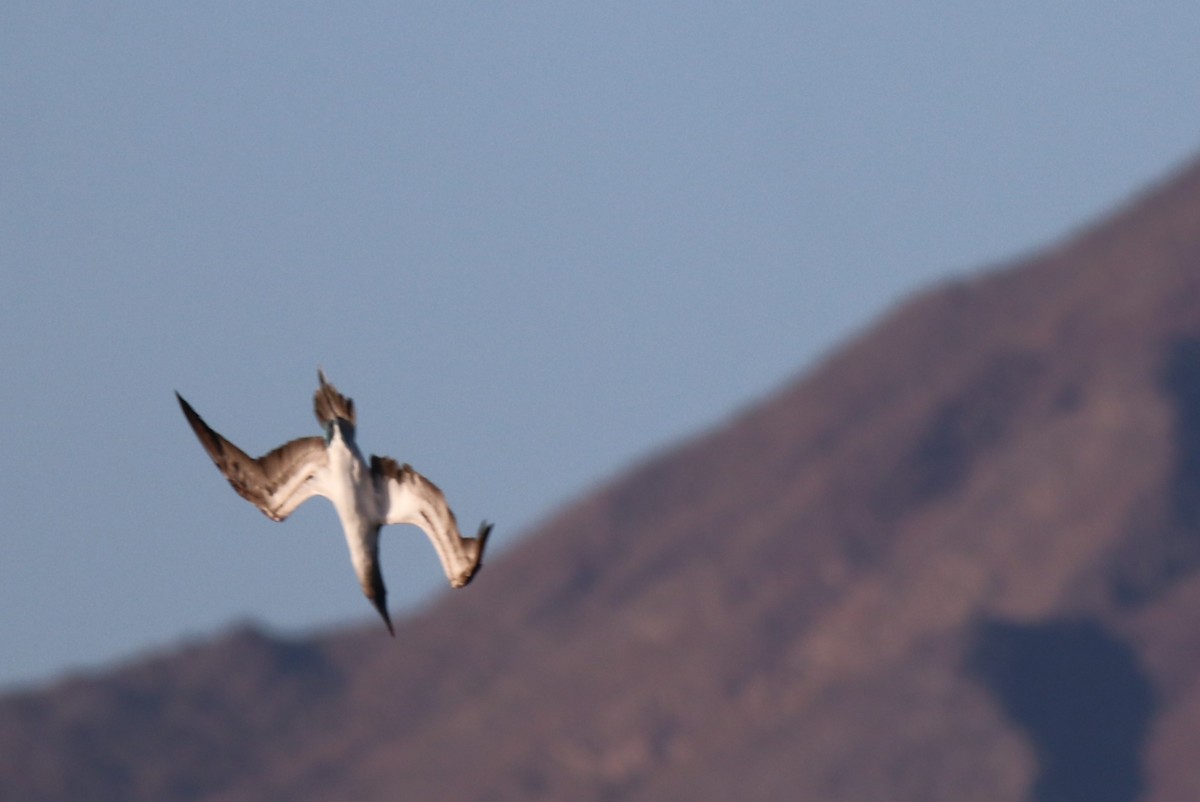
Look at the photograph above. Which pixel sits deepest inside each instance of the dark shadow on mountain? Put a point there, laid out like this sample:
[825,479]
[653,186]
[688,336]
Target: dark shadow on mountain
[960,431]
[1080,695]
[1166,542]
[1181,382]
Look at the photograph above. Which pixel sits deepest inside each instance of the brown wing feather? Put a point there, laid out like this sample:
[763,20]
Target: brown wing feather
[256,480]
[329,404]
[386,467]
[412,499]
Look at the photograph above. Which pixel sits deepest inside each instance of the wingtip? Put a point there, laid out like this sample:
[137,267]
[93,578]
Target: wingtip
[481,539]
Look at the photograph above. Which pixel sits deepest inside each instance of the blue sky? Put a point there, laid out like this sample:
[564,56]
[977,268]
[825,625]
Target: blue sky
[535,242]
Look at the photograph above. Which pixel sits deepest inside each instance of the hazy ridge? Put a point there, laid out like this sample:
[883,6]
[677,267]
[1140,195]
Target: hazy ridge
[957,561]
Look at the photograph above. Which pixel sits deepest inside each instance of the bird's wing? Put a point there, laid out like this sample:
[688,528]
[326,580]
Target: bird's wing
[407,497]
[277,483]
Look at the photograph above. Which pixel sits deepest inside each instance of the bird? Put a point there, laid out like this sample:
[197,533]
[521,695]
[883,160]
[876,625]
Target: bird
[366,495]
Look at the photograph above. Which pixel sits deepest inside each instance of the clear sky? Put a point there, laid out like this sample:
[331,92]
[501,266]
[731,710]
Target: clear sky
[536,242]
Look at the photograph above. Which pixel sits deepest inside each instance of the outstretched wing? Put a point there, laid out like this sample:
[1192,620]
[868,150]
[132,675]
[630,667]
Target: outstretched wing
[407,497]
[277,483]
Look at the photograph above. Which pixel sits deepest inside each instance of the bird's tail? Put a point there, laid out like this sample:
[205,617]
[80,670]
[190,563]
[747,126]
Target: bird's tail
[329,404]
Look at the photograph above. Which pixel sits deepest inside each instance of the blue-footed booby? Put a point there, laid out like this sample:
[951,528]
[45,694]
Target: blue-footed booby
[366,496]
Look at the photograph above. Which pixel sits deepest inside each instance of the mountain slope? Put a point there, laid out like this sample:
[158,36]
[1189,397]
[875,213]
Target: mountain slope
[957,561]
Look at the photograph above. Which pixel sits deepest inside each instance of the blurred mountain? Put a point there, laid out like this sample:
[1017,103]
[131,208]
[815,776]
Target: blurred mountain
[959,560]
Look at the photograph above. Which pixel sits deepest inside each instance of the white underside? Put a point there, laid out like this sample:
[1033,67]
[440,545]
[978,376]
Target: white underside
[346,480]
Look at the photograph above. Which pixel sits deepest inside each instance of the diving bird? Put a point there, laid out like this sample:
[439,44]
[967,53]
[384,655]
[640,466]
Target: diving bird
[366,495]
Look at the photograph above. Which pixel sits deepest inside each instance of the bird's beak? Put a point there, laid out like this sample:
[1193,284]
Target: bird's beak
[373,589]
[381,606]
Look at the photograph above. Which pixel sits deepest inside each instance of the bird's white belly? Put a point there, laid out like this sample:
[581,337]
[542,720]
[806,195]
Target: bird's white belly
[349,487]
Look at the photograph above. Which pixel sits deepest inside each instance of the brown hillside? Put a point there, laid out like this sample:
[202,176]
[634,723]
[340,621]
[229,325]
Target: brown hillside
[958,561]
